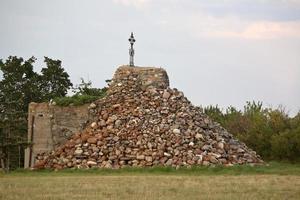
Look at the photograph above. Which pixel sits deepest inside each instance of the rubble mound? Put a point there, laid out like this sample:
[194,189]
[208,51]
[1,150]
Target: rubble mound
[142,122]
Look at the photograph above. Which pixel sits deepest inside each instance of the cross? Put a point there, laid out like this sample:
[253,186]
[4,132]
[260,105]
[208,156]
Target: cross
[131,50]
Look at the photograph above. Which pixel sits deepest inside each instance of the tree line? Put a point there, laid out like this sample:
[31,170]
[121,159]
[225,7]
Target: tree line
[270,132]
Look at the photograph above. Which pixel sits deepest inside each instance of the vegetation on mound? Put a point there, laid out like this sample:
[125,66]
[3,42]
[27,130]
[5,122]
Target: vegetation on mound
[75,100]
[84,93]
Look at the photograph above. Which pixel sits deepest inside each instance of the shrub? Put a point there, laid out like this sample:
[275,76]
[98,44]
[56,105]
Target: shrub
[76,100]
[270,132]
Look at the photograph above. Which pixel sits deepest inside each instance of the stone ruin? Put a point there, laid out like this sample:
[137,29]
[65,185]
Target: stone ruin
[50,125]
[143,122]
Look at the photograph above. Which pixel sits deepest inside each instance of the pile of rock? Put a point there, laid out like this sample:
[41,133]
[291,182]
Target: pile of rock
[142,122]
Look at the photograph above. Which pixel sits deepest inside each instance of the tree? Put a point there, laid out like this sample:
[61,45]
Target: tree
[85,88]
[55,81]
[20,86]
[17,89]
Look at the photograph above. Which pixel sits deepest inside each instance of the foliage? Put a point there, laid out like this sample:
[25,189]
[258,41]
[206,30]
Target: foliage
[75,100]
[55,81]
[20,86]
[85,88]
[84,93]
[270,132]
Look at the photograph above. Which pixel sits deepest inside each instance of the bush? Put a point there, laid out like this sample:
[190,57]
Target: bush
[270,132]
[286,145]
[76,100]
[84,93]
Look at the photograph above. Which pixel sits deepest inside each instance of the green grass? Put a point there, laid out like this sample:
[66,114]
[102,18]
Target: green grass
[267,169]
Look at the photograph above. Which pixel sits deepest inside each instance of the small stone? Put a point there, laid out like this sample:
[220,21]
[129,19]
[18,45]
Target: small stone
[213,160]
[107,165]
[116,105]
[240,150]
[116,138]
[94,125]
[92,106]
[102,123]
[167,154]
[169,162]
[140,157]
[95,149]
[118,123]
[91,163]
[199,157]
[176,131]
[199,136]
[205,163]
[206,147]
[191,144]
[78,152]
[221,145]
[166,94]
[92,140]
[148,158]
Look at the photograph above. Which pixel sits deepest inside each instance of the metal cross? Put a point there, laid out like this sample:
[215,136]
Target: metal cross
[131,50]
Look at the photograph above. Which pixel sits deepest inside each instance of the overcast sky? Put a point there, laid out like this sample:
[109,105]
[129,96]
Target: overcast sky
[223,52]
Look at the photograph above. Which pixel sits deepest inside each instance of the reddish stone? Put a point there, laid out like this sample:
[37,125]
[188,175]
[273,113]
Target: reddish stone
[84,137]
[39,164]
[57,166]
[92,140]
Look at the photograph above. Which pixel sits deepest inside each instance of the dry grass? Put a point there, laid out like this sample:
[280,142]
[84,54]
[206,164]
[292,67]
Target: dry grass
[150,187]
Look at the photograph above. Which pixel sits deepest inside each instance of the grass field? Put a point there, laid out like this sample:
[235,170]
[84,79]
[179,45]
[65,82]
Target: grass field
[277,181]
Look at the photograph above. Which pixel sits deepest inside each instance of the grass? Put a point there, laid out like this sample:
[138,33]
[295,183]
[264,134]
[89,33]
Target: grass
[273,168]
[75,100]
[276,181]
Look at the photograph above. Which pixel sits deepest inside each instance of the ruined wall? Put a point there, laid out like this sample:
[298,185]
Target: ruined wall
[51,125]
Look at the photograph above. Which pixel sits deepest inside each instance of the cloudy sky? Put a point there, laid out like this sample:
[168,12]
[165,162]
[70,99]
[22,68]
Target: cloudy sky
[223,52]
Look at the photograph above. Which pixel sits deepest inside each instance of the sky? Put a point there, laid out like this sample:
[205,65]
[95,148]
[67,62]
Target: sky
[223,52]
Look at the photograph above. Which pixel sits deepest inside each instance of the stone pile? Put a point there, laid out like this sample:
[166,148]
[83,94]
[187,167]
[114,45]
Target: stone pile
[142,122]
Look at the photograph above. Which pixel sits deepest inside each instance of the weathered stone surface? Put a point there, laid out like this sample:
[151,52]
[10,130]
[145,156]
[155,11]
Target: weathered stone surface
[50,126]
[92,140]
[78,152]
[142,122]
[166,94]
[91,163]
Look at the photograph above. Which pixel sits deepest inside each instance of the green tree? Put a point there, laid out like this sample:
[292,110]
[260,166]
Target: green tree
[85,88]
[19,86]
[55,81]
[17,89]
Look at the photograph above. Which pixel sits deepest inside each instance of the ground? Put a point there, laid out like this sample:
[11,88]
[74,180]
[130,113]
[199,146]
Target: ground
[278,181]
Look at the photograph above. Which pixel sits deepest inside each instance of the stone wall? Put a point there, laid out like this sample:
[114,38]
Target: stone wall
[51,125]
